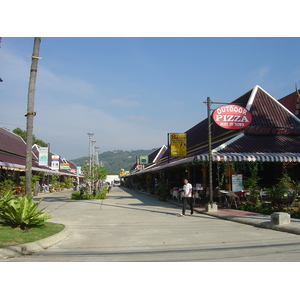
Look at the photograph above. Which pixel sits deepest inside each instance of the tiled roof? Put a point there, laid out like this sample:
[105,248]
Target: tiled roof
[133,167]
[12,143]
[263,144]
[292,102]
[267,112]
[156,155]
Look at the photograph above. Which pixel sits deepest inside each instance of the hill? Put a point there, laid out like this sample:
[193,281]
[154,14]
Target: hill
[115,160]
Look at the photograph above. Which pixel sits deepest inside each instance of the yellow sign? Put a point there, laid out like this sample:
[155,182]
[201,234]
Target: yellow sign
[124,173]
[178,144]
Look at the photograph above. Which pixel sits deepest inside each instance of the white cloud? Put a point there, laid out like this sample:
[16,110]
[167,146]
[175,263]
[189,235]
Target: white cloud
[67,110]
[263,71]
[138,117]
[124,102]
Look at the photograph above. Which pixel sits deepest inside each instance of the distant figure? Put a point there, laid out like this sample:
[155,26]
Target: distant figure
[75,183]
[188,197]
[45,187]
[108,187]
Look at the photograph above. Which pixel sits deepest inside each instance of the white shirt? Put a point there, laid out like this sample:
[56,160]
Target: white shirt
[187,189]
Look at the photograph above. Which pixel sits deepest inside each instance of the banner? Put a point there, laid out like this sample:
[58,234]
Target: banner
[55,162]
[178,144]
[237,182]
[78,170]
[65,166]
[144,160]
[43,156]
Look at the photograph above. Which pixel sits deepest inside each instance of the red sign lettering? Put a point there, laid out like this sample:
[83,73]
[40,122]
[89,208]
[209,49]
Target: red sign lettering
[232,116]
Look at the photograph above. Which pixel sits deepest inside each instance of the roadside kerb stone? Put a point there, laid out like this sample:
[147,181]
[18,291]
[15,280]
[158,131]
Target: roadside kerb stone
[290,228]
[263,221]
[33,247]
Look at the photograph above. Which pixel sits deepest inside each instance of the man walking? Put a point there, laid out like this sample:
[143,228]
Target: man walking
[188,193]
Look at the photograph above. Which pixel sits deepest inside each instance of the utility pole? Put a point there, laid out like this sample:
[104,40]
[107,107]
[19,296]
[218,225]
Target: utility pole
[211,206]
[31,113]
[93,166]
[209,153]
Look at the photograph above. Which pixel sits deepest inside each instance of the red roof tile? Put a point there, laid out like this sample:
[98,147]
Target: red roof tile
[12,143]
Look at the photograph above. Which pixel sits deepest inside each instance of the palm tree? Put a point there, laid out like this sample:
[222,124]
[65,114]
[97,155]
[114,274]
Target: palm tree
[31,113]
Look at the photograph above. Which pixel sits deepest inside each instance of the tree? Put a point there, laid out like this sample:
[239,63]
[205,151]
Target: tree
[94,174]
[22,133]
[31,113]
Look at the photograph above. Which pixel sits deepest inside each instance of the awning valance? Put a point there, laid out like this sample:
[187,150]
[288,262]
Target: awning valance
[252,157]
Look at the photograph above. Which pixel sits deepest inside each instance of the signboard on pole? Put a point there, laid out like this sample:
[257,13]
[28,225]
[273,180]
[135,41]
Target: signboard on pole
[144,160]
[178,144]
[55,162]
[232,116]
[237,182]
[43,156]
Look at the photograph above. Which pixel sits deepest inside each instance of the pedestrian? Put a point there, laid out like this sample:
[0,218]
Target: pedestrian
[188,197]
[75,183]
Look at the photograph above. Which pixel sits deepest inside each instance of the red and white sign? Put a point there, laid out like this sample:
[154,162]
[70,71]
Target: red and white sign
[232,116]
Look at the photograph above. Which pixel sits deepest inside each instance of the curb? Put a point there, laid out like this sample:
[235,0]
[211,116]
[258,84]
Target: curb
[33,247]
[288,228]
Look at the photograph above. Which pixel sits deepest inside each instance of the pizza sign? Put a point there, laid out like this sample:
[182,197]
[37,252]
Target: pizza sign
[232,116]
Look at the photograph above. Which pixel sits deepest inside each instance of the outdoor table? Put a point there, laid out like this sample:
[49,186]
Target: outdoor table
[232,195]
[263,194]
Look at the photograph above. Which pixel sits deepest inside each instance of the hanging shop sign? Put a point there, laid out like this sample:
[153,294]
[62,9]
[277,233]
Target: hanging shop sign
[144,160]
[232,116]
[43,156]
[55,162]
[178,144]
[65,166]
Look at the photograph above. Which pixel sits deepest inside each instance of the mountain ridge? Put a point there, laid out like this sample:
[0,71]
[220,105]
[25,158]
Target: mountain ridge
[115,160]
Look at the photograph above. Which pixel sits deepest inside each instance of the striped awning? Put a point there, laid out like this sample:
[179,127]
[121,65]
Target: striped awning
[252,157]
[10,166]
[21,168]
[237,157]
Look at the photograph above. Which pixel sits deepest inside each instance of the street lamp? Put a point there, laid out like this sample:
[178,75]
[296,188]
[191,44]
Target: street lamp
[90,134]
[96,156]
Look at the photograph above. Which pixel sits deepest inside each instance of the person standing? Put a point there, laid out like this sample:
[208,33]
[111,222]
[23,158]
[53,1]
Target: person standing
[188,197]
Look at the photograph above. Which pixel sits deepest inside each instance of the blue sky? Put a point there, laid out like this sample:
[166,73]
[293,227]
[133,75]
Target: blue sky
[132,91]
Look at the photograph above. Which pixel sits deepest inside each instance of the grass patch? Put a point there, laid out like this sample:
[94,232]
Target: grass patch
[15,236]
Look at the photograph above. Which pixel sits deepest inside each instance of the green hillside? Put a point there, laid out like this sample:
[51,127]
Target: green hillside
[115,160]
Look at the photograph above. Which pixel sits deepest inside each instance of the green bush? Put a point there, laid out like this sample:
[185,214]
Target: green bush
[5,187]
[21,211]
[82,196]
[69,183]
[79,196]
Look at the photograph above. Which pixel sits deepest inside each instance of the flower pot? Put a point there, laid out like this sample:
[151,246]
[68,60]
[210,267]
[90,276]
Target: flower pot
[286,199]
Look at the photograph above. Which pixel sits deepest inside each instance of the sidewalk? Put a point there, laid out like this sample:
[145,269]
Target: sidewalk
[129,226]
[249,218]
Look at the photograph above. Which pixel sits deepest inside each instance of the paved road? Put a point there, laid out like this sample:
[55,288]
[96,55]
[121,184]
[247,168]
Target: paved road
[128,226]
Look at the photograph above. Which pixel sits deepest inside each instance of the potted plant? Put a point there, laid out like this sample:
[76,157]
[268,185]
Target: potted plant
[62,185]
[251,183]
[281,194]
[163,192]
